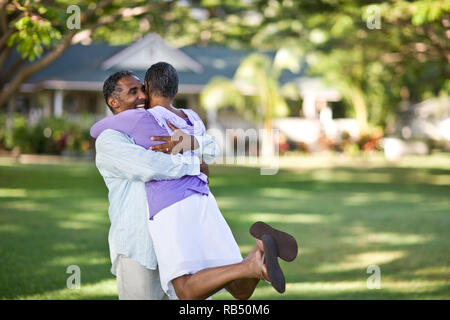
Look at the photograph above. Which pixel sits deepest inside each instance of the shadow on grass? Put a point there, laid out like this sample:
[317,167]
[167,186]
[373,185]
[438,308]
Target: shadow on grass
[59,220]
[345,219]
[395,218]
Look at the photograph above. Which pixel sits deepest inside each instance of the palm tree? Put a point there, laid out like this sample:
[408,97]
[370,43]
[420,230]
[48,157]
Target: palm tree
[254,90]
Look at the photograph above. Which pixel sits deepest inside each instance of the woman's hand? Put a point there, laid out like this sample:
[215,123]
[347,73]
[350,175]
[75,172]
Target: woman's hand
[178,142]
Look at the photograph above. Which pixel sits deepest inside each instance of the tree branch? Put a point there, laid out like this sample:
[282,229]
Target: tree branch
[123,13]
[5,37]
[28,71]
[91,12]
[11,70]
[3,18]
[4,56]
[10,31]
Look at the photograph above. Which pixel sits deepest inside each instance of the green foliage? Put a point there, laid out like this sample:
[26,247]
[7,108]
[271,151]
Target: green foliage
[372,67]
[48,136]
[32,35]
[428,11]
[36,27]
[254,90]
[406,58]
[221,92]
[16,132]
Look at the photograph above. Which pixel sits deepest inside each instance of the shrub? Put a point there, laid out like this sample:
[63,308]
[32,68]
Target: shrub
[48,136]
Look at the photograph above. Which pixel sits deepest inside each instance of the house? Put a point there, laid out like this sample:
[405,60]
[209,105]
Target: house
[419,128]
[72,85]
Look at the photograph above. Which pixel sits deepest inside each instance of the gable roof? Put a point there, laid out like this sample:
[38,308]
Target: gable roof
[78,64]
[149,50]
[85,67]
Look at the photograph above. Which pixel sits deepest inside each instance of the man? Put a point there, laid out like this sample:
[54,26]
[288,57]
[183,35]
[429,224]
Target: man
[194,246]
[125,168]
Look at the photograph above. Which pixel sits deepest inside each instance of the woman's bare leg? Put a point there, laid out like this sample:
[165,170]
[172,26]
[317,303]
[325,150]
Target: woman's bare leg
[240,279]
[243,289]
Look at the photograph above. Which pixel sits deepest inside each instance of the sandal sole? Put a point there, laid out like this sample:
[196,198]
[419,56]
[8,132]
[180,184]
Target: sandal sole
[286,244]
[274,271]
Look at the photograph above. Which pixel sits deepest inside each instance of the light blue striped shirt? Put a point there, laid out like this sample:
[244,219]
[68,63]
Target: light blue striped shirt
[126,167]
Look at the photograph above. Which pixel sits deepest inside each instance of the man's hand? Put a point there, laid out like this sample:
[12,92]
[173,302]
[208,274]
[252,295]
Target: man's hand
[205,169]
[179,142]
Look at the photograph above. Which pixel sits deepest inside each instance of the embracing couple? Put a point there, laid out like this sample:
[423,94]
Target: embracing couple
[168,238]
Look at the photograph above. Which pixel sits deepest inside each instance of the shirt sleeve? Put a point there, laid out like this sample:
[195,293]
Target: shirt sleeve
[208,149]
[123,122]
[108,123]
[118,157]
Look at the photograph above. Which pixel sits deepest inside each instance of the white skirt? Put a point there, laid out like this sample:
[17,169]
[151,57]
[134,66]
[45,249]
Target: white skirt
[189,236]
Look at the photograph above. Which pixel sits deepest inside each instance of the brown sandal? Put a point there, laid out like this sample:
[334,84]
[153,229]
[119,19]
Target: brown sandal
[270,257]
[286,244]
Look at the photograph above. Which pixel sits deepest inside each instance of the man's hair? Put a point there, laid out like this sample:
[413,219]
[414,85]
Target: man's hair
[109,86]
[162,79]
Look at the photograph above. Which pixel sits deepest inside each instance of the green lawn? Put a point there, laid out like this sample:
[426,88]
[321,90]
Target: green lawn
[347,214]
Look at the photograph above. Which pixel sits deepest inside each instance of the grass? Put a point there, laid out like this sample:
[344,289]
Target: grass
[347,214]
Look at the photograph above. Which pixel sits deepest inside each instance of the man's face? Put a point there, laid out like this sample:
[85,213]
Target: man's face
[129,94]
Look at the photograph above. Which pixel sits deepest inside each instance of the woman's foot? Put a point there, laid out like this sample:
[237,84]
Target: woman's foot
[253,263]
[262,263]
[286,244]
[273,269]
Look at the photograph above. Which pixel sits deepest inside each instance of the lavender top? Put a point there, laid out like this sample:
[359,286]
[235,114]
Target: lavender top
[142,124]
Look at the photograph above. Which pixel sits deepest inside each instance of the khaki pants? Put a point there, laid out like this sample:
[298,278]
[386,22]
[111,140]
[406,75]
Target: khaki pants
[135,282]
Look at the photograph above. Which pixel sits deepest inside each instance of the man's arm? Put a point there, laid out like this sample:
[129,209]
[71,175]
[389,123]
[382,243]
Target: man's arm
[208,149]
[203,146]
[117,156]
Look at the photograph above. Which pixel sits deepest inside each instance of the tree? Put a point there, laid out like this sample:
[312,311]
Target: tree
[27,28]
[376,52]
[36,33]
[254,89]
[405,56]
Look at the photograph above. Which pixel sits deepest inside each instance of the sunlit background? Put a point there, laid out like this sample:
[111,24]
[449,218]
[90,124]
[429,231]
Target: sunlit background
[355,97]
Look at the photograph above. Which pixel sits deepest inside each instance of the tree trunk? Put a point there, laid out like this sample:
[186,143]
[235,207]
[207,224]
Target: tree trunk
[267,148]
[27,71]
[360,106]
